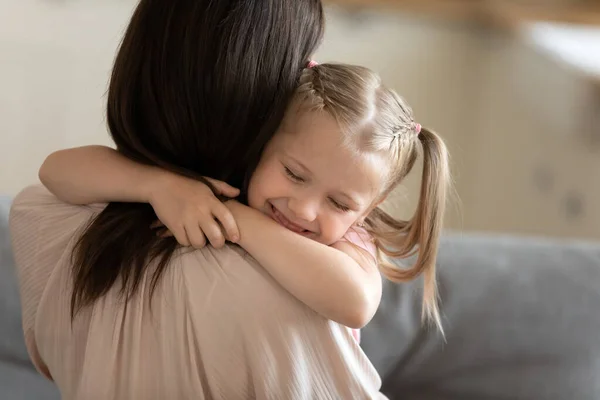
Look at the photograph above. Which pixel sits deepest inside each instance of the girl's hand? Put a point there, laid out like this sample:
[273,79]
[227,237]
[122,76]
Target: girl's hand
[192,213]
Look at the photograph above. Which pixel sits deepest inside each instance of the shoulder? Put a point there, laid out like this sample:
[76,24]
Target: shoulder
[39,223]
[41,230]
[37,217]
[228,277]
[35,208]
[37,200]
[230,267]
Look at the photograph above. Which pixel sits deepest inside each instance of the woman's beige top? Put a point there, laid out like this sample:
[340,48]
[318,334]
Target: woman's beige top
[219,326]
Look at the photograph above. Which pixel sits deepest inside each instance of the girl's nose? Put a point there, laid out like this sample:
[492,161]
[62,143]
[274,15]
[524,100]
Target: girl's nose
[305,209]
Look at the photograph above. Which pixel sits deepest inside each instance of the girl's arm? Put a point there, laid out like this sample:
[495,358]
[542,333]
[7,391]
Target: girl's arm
[98,174]
[342,283]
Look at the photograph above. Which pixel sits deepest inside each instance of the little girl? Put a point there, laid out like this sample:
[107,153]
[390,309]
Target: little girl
[314,220]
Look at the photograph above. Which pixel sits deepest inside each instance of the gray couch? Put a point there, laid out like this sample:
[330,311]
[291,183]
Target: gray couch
[522,321]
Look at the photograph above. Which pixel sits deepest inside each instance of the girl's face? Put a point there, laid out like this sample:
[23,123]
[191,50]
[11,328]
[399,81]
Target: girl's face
[309,182]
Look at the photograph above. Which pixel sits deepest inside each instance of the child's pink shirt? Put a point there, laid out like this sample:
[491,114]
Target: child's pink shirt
[361,238]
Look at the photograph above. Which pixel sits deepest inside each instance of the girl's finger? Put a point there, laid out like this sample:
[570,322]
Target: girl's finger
[181,237]
[195,235]
[223,188]
[213,232]
[225,217]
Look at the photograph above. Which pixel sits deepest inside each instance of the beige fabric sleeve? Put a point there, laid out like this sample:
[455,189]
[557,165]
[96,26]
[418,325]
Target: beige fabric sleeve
[37,221]
[218,326]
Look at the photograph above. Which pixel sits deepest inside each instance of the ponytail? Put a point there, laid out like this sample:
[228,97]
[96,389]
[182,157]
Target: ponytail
[421,234]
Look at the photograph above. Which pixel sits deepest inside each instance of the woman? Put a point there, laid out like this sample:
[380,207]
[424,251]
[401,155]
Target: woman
[110,310]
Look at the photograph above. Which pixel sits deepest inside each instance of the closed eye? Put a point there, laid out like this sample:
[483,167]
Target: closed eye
[339,206]
[293,176]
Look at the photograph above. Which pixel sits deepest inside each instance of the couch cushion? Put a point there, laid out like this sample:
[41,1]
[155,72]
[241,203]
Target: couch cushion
[23,382]
[522,321]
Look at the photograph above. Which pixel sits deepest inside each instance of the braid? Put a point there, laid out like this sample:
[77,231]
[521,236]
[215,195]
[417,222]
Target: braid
[310,88]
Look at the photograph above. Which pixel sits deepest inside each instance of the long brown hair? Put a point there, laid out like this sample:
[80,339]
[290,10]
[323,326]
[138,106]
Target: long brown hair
[377,120]
[198,87]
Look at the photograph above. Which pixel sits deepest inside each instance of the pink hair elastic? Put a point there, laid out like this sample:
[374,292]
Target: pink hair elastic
[312,63]
[418,128]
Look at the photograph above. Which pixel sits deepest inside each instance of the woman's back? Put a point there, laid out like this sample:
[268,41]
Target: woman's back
[217,327]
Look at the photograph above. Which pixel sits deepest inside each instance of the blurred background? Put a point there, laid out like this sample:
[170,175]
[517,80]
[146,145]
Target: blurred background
[512,85]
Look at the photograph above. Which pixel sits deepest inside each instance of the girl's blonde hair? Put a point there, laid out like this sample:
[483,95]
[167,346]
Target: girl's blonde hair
[377,120]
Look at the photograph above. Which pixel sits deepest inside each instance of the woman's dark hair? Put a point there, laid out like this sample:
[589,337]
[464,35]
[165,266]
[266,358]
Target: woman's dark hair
[198,87]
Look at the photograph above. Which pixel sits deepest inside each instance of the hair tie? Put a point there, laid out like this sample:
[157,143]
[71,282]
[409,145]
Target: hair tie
[312,63]
[418,128]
